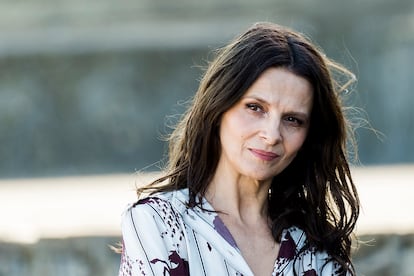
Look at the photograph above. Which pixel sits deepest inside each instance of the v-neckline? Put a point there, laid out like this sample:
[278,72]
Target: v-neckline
[207,214]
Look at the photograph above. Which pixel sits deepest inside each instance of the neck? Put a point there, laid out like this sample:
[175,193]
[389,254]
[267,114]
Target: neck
[244,200]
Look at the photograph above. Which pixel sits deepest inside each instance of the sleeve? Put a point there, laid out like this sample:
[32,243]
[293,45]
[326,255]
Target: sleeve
[148,249]
[320,263]
[332,268]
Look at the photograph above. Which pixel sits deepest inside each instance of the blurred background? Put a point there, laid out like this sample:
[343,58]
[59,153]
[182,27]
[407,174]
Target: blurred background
[88,89]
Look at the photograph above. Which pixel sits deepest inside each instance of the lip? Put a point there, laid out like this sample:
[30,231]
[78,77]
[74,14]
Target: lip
[264,155]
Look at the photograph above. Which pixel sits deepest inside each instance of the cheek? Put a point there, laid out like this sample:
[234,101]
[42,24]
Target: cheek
[297,141]
[228,136]
[233,127]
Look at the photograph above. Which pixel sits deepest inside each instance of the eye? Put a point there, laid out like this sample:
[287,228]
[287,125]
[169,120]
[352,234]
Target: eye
[294,121]
[254,107]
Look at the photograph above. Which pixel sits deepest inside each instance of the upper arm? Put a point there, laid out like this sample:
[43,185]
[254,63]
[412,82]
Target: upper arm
[149,246]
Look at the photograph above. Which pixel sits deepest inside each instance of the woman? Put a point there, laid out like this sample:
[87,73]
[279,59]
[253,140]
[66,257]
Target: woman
[258,181]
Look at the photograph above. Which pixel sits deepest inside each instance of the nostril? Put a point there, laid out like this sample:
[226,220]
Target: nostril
[272,136]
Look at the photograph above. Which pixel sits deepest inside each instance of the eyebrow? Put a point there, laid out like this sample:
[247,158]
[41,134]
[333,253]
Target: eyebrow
[304,115]
[257,98]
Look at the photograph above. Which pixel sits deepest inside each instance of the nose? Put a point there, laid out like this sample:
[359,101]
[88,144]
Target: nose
[271,132]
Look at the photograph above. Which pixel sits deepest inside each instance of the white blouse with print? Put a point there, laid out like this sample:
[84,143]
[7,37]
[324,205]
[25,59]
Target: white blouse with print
[162,236]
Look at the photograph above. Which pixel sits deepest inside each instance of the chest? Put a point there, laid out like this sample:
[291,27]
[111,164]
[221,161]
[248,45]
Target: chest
[258,248]
[210,252]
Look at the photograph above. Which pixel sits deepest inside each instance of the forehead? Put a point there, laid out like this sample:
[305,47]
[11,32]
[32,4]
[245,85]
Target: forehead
[279,86]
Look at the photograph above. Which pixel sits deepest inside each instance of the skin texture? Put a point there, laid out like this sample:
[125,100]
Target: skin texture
[260,136]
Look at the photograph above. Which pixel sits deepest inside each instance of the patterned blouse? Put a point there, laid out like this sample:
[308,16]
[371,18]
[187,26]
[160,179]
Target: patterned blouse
[162,236]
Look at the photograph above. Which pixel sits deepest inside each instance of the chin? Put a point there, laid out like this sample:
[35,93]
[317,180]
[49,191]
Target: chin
[262,177]
[261,174]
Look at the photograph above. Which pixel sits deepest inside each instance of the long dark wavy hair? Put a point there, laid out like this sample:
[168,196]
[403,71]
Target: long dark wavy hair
[315,192]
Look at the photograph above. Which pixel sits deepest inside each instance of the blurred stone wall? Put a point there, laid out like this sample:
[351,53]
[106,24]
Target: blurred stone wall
[71,257]
[86,88]
[90,113]
[382,255]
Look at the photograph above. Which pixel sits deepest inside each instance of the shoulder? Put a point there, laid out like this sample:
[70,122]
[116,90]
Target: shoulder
[294,237]
[153,205]
[153,216]
[153,237]
[295,247]
[161,208]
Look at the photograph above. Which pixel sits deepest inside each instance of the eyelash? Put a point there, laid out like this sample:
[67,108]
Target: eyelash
[254,107]
[294,120]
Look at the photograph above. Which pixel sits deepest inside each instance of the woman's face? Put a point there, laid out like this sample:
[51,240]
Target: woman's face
[261,134]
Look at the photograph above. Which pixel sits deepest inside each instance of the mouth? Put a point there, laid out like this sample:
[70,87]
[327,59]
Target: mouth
[264,155]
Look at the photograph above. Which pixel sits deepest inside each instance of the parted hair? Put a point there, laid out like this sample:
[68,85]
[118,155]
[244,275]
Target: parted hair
[316,191]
